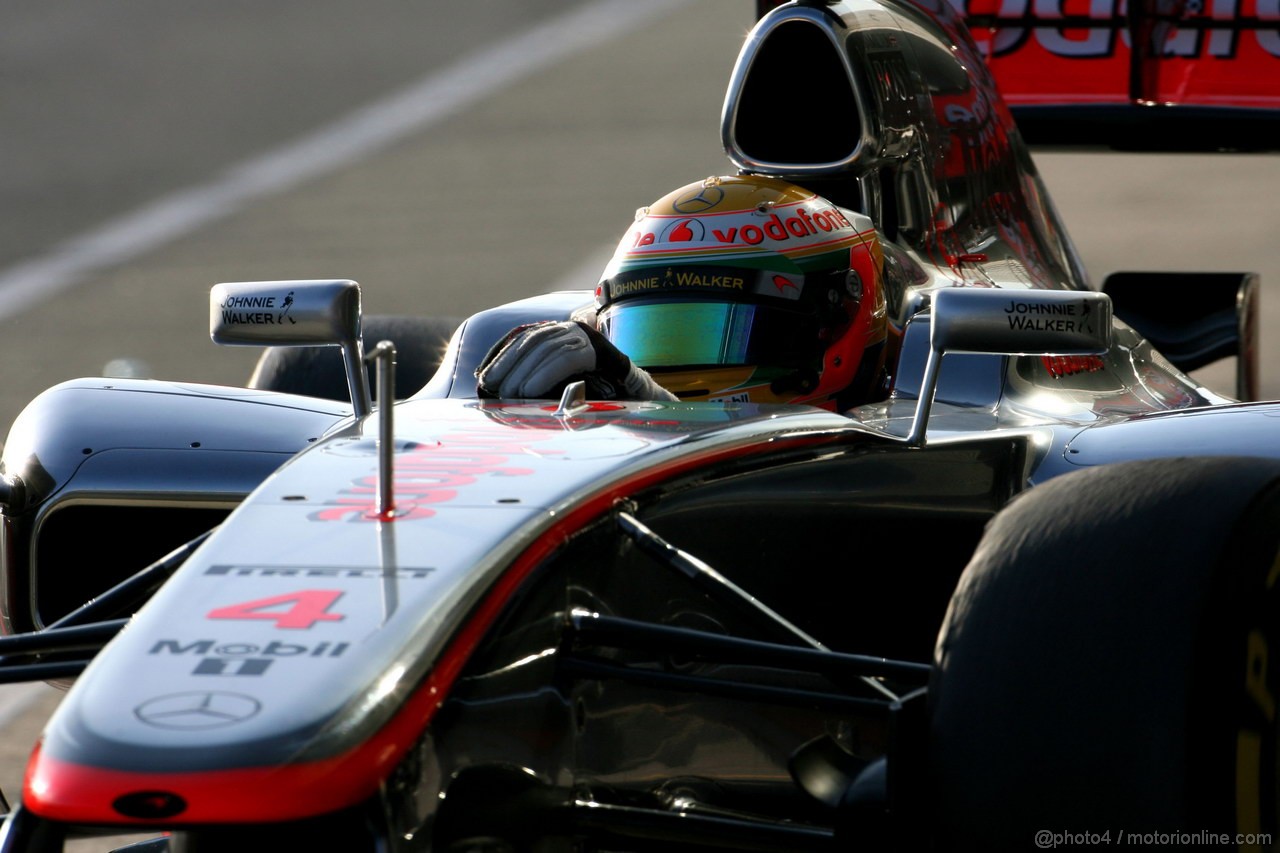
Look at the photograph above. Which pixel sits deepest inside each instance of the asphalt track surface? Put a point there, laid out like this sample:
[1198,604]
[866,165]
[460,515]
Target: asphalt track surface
[447,156]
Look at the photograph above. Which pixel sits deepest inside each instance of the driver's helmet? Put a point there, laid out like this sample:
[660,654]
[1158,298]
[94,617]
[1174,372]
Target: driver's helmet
[750,289]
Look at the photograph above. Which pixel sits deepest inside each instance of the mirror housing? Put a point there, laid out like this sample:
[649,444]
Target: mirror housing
[294,314]
[284,313]
[1009,322]
[1020,322]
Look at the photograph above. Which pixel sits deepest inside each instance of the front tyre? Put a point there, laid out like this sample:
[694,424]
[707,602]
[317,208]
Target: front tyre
[1109,667]
[318,371]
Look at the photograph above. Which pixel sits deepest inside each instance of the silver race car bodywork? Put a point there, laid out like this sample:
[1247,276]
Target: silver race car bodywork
[453,623]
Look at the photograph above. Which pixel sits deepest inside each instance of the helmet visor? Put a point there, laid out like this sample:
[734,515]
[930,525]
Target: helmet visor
[689,333]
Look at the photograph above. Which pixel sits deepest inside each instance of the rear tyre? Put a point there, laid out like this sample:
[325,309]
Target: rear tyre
[1110,662]
[318,371]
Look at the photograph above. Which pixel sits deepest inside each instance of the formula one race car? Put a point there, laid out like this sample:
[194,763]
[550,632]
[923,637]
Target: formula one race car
[1025,595]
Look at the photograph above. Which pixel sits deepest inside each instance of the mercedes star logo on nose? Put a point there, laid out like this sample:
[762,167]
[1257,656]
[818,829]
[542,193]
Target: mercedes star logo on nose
[197,709]
[695,202]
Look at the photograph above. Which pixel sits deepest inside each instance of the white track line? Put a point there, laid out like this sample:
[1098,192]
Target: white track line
[345,141]
[414,108]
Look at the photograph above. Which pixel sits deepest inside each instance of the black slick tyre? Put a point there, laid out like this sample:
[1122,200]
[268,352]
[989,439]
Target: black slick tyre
[1109,668]
[318,371]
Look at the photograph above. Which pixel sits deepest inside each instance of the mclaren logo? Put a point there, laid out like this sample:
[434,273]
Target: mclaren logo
[197,710]
[696,201]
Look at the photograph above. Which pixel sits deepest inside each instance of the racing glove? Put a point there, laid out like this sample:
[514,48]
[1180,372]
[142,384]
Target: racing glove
[538,360]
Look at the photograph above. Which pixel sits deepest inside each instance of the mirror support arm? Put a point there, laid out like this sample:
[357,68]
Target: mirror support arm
[928,387]
[353,360]
[384,355]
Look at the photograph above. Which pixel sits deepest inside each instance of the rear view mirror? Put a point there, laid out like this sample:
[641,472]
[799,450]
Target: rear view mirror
[1020,322]
[1010,322]
[294,313]
[285,313]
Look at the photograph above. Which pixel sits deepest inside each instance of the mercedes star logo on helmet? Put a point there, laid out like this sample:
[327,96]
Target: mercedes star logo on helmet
[198,709]
[696,201]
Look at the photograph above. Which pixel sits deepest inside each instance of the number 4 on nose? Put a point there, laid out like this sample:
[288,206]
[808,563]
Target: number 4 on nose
[298,610]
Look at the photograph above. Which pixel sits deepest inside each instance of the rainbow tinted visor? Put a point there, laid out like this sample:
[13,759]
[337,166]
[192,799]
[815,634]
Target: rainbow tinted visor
[687,333]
